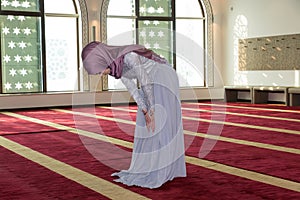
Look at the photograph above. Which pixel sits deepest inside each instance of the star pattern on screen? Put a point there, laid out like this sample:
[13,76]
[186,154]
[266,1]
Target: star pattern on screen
[20,48]
[154,34]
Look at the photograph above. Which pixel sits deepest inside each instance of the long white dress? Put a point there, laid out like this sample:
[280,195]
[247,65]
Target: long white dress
[157,156]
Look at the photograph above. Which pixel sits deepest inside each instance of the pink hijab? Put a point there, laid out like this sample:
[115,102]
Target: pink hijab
[97,56]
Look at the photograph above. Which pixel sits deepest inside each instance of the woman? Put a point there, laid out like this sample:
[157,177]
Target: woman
[158,150]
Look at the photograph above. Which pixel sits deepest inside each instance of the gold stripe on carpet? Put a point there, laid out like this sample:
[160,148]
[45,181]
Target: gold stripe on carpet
[243,114]
[224,139]
[245,142]
[223,104]
[227,123]
[251,175]
[218,112]
[72,130]
[279,130]
[90,181]
[263,178]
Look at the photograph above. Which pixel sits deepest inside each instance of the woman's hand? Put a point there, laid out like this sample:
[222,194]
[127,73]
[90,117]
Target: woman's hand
[150,121]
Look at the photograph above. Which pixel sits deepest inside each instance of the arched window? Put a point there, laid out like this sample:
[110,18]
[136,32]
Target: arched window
[40,42]
[175,29]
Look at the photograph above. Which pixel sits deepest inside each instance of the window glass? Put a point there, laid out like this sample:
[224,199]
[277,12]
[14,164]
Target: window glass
[190,59]
[120,31]
[61,51]
[22,68]
[21,54]
[191,9]
[115,84]
[59,6]
[20,5]
[156,35]
[155,8]
[190,75]
[121,8]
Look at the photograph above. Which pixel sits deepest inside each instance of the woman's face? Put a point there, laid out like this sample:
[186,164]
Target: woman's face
[106,71]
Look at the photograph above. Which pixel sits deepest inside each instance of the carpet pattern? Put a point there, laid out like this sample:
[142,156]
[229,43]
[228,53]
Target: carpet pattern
[233,151]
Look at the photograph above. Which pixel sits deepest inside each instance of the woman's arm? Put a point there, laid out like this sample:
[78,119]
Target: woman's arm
[144,98]
[143,78]
[134,92]
[138,97]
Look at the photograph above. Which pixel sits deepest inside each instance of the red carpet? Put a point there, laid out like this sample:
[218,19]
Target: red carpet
[201,183]
[12,125]
[23,179]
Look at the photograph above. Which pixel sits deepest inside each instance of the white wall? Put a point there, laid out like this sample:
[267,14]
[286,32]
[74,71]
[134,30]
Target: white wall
[257,18]
[218,42]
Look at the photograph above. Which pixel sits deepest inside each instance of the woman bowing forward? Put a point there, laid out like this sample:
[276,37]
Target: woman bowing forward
[158,150]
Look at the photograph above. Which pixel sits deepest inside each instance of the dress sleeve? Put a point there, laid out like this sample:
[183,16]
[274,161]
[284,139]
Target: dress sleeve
[146,94]
[135,92]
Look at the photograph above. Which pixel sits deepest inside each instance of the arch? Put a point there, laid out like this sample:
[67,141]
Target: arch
[84,20]
[209,42]
[37,79]
[75,12]
[85,38]
[208,13]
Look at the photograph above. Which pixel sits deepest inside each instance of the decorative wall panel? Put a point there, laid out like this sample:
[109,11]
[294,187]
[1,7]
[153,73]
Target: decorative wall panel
[270,53]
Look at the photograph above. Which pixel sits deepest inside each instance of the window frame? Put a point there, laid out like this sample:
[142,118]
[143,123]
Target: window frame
[30,14]
[171,19]
[81,15]
[77,16]
[208,37]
